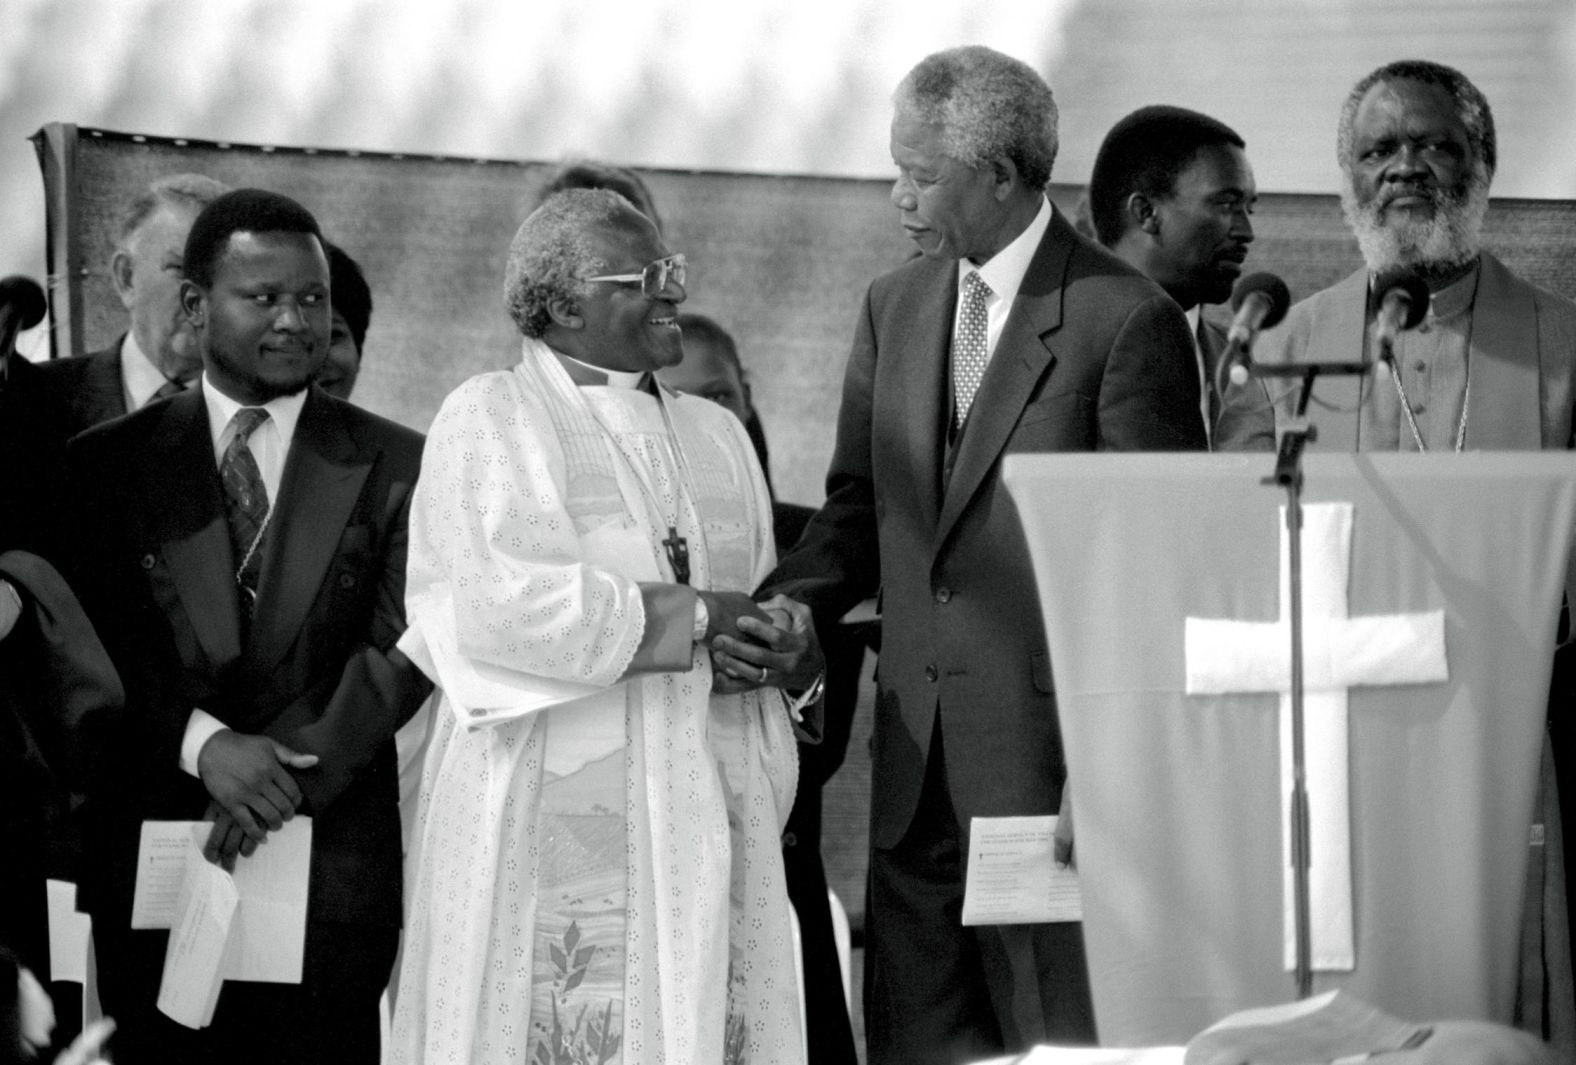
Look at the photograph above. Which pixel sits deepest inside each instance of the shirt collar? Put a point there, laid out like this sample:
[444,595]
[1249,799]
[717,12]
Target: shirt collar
[1456,297]
[139,377]
[1005,270]
[588,376]
[285,411]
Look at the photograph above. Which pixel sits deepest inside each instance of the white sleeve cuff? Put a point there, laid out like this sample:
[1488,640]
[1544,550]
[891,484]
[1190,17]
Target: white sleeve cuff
[200,728]
[809,697]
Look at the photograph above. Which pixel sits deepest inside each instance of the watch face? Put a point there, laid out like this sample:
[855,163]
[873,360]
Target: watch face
[702,619]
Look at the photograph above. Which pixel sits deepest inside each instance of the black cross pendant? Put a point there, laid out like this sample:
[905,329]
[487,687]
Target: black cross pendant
[678,555]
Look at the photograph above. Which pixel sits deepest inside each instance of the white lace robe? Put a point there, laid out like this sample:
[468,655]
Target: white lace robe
[544,923]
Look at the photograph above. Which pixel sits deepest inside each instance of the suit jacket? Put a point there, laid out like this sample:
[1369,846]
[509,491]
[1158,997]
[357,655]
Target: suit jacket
[1092,356]
[53,673]
[1523,351]
[88,388]
[155,570]
[33,432]
[1243,417]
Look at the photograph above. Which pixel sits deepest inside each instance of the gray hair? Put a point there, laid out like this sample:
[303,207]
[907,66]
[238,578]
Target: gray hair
[195,191]
[1470,103]
[987,105]
[551,252]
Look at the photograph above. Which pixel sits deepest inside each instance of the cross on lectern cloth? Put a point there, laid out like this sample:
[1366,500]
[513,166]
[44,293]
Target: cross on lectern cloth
[1339,652]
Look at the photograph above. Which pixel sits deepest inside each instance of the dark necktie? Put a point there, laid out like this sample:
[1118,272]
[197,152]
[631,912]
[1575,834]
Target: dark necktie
[166,390]
[968,346]
[245,504]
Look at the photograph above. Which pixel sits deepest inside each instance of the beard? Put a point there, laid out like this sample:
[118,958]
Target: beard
[1446,241]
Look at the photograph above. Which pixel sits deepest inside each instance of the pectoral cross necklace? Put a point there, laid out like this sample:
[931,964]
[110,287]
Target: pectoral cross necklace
[674,546]
[677,548]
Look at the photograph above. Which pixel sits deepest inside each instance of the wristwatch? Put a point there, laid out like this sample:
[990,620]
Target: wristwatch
[814,692]
[702,620]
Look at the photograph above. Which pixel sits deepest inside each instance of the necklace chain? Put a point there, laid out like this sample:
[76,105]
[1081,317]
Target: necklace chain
[675,547]
[1411,421]
[251,549]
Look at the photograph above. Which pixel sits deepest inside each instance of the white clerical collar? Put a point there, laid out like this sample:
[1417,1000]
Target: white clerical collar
[1004,271]
[631,379]
[139,378]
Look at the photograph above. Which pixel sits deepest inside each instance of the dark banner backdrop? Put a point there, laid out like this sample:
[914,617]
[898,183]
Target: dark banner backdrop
[781,261]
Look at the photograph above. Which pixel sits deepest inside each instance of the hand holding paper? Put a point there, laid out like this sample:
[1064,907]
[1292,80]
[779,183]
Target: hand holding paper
[194,960]
[249,777]
[251,926]
[1012,878]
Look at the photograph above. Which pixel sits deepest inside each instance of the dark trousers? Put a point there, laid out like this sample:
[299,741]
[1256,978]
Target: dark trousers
[830,1034]
[937,992]
[331,1017]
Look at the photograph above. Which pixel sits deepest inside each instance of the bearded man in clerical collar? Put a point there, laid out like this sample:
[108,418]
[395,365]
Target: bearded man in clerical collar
[1417,150]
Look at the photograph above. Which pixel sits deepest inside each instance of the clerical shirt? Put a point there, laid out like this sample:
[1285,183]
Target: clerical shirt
[1432,360]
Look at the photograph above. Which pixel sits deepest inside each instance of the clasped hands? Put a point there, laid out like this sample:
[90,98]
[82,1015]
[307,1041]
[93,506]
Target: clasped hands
[252,789]
[771,644]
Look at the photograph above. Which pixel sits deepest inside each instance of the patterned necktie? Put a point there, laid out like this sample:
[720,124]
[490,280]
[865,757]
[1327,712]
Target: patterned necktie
[245,503]
[968,346]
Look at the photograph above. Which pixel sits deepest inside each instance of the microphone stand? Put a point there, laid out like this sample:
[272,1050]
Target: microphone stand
[1294,438]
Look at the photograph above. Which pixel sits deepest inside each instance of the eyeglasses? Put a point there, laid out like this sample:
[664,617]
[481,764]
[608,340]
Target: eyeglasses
[653,278]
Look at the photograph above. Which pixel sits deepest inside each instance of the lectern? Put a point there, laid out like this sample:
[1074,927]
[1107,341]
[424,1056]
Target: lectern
[1178,796]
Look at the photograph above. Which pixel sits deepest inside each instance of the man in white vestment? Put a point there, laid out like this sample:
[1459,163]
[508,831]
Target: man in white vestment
[595,872]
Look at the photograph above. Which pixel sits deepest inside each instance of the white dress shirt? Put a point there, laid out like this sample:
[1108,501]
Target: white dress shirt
[1003,273]
[139,378]
[1195,317]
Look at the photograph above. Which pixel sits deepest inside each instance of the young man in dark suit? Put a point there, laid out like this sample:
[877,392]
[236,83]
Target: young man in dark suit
[1172,194]
[241,550]
[1064,349]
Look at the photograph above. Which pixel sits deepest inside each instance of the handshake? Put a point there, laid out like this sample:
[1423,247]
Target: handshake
[754,645]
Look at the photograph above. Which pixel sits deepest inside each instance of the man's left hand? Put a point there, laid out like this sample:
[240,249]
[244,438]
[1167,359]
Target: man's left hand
[786,654]
[226,840]
[1062,845]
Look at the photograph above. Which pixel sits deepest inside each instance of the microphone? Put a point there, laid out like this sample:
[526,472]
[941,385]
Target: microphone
[1403,302]
[1260,301]
[22,306]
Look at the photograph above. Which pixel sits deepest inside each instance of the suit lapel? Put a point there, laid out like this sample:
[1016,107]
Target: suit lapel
[926,384]
[1021,359]
[183,498]
[100,393]
[1505,409]
[322,480]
